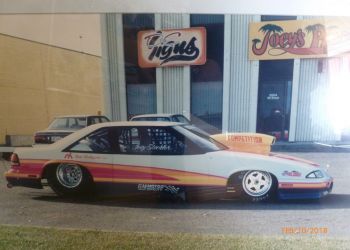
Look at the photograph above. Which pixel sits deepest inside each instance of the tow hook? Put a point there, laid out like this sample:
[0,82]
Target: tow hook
[9,185]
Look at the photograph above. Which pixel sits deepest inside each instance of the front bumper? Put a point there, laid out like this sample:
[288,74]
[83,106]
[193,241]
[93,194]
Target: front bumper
[305,193]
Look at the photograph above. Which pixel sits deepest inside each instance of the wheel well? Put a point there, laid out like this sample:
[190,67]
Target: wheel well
[46,170]
[48,167]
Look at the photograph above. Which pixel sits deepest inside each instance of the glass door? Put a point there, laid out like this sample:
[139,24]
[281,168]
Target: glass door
[275,91]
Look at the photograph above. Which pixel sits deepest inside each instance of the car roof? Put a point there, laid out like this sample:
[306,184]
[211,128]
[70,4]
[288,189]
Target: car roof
[154,115]
[136,123]
[85,131]
[78,116]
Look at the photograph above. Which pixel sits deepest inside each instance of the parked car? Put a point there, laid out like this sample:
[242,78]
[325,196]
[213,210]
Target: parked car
[64,125]
[162,118]
[163,157]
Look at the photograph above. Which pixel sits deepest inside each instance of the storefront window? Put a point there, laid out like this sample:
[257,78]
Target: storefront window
[207,79]
[140,83]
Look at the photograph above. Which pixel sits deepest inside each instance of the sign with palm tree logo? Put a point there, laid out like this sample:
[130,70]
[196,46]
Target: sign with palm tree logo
[287,39]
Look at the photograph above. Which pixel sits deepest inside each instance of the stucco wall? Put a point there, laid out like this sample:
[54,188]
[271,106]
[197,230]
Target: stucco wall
[38,82]
[71,31]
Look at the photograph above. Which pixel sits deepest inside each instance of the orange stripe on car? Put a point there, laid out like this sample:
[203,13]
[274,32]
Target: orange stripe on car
[288,185]
[185,182]
[22,176]
[141,174]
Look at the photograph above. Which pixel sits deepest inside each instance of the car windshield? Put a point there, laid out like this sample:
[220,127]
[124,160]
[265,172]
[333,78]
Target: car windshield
[201,139]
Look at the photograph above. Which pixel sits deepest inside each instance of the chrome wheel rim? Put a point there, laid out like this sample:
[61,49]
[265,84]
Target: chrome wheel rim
[69,175]
[257,183]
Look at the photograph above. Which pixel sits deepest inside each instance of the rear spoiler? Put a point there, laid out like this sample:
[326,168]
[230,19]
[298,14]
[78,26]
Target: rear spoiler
[246,142]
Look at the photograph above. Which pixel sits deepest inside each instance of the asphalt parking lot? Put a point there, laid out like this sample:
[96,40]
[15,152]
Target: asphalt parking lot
[22,206]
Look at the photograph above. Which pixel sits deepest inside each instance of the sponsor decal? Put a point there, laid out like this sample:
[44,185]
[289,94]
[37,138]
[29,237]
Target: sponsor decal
[245,139]
[287,39]
[70,156]
[179,47]
[291,173]
[158,188]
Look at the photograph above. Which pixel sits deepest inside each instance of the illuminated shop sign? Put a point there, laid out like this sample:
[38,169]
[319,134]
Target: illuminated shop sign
[178,47]
[287,39]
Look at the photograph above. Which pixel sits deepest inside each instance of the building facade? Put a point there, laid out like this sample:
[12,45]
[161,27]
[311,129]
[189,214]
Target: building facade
[288,98]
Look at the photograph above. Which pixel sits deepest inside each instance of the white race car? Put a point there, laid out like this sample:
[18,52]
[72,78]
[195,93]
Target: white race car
[166,157]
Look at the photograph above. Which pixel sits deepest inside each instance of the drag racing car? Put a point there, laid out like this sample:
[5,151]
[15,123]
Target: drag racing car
[163,157]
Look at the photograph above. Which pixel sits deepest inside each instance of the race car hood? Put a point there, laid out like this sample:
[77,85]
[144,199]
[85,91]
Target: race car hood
[281,166]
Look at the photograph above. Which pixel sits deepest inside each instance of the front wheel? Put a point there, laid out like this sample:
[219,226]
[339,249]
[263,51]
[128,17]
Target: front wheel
[258,185]
[68,179]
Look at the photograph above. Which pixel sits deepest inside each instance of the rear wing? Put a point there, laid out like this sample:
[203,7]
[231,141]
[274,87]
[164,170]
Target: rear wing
[246,142]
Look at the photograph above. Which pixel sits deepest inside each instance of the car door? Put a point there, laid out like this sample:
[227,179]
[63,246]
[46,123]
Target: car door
[155,155]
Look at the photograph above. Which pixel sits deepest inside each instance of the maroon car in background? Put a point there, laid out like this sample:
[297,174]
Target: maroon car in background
[64,125]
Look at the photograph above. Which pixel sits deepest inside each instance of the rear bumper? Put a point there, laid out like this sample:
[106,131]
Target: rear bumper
[304,193]
[24,182]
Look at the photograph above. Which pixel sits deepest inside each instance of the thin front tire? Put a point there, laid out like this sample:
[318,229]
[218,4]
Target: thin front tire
[257,185]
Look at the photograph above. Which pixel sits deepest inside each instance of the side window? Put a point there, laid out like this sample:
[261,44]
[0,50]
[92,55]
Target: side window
[81,122]
[129,141]
[165,142]
[59,123]
[76,123]
[97,142]
[94,120]
[72,122]
[180,118]
[150,140]
[163,119]
[104,119]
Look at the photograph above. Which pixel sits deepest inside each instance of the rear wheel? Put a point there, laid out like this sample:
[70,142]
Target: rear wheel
[68,179]
[258,185]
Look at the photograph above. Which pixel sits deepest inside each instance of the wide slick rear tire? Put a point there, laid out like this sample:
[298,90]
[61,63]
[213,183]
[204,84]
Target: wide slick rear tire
[67,179]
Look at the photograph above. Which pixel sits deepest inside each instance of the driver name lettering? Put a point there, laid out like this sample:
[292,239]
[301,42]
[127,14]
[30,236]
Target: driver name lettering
[152,147]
